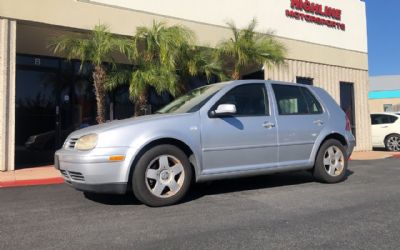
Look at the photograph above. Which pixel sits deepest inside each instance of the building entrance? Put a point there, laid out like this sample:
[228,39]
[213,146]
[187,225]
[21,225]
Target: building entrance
[53,98]
[347,103]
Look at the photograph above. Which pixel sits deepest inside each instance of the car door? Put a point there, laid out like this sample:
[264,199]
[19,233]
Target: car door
[244,141]
[381,127]
[300,120]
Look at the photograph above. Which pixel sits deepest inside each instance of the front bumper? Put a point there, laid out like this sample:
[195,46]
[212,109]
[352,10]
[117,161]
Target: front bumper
[92,171]
[109,188]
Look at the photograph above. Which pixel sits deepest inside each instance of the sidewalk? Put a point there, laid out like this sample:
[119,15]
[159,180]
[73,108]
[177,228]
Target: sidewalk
[31,176]
[49,175]
[373,155]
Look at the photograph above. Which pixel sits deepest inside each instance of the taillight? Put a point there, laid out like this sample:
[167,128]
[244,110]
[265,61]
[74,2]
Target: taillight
[348,124]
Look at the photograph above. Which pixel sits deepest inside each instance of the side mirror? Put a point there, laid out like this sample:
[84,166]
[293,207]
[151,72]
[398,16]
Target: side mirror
[223,110]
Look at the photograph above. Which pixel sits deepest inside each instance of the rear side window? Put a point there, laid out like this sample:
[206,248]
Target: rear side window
[383,119]
[249,99]
[295,100]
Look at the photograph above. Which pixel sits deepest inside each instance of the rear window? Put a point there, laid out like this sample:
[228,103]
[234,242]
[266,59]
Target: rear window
[295,100]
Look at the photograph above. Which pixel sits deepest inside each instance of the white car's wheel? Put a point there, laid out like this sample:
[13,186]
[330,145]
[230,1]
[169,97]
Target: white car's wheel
[392,142]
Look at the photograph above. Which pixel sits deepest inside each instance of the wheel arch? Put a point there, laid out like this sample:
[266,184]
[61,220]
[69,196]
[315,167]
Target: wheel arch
[387,136]
[333,135]
[337,137]
[189,152]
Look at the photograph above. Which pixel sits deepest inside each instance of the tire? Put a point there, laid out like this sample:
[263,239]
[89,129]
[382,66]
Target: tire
[392,142]
[331,162]
[162,176]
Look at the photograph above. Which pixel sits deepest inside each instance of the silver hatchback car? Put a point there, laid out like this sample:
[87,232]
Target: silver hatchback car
[224,130]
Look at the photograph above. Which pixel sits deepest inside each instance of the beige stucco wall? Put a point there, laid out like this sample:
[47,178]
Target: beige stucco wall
[81,15]
[270,14]
[329,78]
[7,93]
[376,105]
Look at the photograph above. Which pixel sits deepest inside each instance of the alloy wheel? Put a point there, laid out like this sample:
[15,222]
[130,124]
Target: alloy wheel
[334,161]
[164,176]
[393,143]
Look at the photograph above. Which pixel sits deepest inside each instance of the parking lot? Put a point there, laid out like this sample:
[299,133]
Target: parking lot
[281,211]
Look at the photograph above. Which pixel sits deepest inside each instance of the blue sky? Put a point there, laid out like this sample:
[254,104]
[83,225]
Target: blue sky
[383,22]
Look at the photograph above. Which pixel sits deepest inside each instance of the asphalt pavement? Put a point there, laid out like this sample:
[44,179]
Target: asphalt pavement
[280,211]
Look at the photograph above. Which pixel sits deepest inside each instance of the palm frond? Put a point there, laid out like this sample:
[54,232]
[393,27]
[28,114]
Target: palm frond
[247,47]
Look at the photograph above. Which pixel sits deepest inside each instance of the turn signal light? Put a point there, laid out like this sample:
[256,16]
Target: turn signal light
[116,158]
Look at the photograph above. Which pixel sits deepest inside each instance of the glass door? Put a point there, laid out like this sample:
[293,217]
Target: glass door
[35,125]
[347,103]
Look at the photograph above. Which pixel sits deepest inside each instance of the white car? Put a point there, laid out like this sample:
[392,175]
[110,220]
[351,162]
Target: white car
[386,130]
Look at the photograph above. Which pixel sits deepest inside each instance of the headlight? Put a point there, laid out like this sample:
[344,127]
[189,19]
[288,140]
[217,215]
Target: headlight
[86,142]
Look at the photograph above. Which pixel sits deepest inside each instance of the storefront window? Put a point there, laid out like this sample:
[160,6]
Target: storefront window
[387,107]
[55,97]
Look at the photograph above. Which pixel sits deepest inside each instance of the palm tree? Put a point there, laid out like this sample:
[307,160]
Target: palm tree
[96,48]
[248,47]
[195,61]
[163,57]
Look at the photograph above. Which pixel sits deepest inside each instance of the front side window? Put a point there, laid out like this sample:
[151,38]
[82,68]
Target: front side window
[249,99]
[192,101]
[295,100]
[383,119]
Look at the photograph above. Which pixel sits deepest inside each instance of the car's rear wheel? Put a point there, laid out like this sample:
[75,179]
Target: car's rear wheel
[392,142]
[331,162]
[162,176]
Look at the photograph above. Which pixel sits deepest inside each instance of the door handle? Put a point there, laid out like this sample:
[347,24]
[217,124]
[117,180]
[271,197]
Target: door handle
[318,122]
[268,125]
[384,126]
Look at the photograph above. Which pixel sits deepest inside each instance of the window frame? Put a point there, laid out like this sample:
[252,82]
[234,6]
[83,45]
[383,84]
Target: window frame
[302,87]
[267,102]
[303,79]
[387,105]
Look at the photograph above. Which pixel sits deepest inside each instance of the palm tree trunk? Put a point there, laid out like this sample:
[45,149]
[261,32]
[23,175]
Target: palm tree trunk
[99,78]
[141,103]
[235,75]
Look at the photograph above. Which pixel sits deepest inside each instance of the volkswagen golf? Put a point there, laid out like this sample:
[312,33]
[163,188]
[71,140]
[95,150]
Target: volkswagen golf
[225,130]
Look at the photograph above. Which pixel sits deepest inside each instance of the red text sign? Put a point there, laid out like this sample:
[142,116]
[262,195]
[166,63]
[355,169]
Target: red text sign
[316,13]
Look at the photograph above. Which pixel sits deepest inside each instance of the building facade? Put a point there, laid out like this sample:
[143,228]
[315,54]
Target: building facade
[384,94]
[43,96]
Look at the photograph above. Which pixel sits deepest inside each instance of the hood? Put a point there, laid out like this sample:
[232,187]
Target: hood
[122,123]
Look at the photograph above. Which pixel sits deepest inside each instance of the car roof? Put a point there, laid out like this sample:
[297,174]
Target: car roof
[250,81]
[386,113]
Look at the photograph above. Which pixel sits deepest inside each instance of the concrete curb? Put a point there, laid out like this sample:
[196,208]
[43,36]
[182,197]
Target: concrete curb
[373,155]
[33,182]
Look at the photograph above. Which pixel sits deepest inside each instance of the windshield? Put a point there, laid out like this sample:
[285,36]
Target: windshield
[192,101]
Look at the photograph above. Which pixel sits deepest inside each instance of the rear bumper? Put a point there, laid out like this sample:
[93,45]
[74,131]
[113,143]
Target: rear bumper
[351,143]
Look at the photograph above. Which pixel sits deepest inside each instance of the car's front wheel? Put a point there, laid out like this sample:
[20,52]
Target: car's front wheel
[162,176]
[331,162]
[392,142]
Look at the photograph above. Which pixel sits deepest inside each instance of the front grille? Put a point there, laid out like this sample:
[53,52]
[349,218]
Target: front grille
[64,173]
[70,143]
[76,176]
[70,175]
